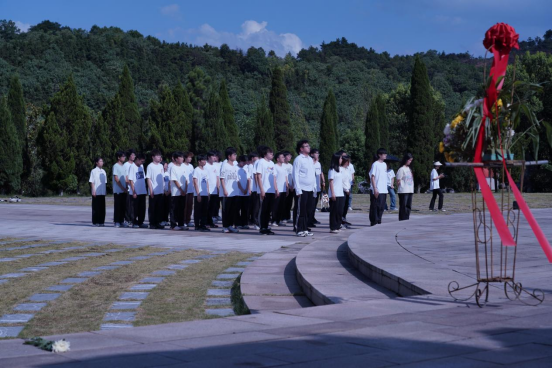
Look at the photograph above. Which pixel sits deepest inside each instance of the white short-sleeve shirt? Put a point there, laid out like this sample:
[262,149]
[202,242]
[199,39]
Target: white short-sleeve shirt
[99,178]
[190,175]
[178,174]
[243,177]
[267,171]
[156,174]
[202,181]
[379,171]
[337,178]
[136,175]
[214,172]
[230,175]
[434,185]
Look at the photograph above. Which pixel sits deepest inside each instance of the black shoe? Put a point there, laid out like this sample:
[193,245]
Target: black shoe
[160,227]
[373,224]
[308,229]
[204,229]
[316,222]
[213,226]
[312,225]
[267,232]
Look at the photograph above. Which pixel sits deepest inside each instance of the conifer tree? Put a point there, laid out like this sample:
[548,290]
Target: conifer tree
[421,124]
[383,122]
[16,105]
[74,122]
[57,158]
[372,132]
[197,85]
[264,128]
[11,161]
[215,135]
[228,118]
[279,107]
[114,118]
[100,143]
[182,100]
[131,115]
[328,130]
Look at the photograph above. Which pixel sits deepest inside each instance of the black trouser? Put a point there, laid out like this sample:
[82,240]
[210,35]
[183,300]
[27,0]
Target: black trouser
[119,207]
[243,206]
[312,210]
[189,208]
[336,212]
[128,208]
[230,210]
[138,209]
[178,204]
[213,208]
[155,210]
[255,207]
[405,205]
[279,208]
[201,211]
[166,208]
[301,211]
[289,205]
[266,208]
[377,206]
[346,204]
[98,209]
[435,193]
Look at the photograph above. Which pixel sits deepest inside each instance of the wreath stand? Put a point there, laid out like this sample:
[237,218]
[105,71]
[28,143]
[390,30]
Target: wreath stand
[494,262]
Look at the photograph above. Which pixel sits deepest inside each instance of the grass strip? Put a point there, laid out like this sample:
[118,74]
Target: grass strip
[238,304]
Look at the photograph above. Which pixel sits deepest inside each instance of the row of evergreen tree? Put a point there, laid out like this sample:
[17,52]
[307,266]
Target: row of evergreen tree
[197,117]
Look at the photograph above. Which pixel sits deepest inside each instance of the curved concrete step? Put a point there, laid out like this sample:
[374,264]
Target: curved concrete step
[327,276]
[269,283]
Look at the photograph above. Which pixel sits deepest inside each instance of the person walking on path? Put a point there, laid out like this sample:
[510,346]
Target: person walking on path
[391,188]
[304,178]
[346,178]
[435,187]
[378,187]
[320,186]
[119,190]
[98,184]
[405,187]
[336,194]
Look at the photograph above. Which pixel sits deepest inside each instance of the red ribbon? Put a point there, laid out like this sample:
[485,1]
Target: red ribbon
[499,40]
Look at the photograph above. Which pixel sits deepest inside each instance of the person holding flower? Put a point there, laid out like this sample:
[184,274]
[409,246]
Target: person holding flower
[435,187]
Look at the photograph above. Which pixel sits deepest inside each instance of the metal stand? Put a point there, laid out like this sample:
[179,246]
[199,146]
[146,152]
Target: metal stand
[494,262]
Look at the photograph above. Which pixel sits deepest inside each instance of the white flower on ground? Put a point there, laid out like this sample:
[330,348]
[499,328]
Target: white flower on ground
[511,133]
[61,346]
[447,130]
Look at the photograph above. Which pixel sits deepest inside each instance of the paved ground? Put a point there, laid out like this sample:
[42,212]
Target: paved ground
[420,331]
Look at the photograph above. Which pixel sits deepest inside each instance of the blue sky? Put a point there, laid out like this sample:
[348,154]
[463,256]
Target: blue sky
[395,26]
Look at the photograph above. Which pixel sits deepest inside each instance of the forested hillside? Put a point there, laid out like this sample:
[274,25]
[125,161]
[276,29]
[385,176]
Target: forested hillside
[50,58]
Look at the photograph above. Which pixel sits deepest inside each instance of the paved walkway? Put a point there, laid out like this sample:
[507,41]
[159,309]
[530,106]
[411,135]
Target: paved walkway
[416,331]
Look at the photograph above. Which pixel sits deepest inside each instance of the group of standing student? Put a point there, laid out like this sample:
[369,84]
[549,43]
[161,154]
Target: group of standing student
[340,178]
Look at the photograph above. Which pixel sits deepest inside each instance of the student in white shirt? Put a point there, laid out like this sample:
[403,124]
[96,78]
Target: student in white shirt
[346,178]
[337,197]
[201,194]
[179,183]
[265,180]
[155,177]
[351,169]
[167,194]
[213,168]
[230,191]
[244,187]
[378,187]
[188,156]
[304,179]
[254,200]
[391,187]
[119,190]
[435,187]
[282,191]
[98,184]
[137,192]
[320,186]
[291,197]
[405,187]
[131,156]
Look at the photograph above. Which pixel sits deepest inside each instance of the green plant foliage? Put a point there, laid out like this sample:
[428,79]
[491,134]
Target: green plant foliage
[228,117]
[372,141]
[328,130]
[264,128]
[11,161]
[279,107]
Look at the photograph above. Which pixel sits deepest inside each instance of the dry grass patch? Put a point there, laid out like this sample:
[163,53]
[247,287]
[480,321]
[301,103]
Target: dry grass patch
[181,297]
[83,307]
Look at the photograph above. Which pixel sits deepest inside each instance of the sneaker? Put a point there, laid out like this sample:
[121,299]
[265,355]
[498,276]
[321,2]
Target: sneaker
[316,222]
[309,234]
[312,225]
[101,225]
[274,224]
[432,210]
[334,231]
[442,210]
[204,229]
[233,230]
[184,228]
[143,226]
[282,224]
[219,218]
[267,232]
[245,227]
[135,226]
[225,230]
[350,208]
[175,228]
[117,225]
[95,225]
[163,224]
[394,209]
[257,227]
[301,234]
[289,221]
[191,224]
[214,226]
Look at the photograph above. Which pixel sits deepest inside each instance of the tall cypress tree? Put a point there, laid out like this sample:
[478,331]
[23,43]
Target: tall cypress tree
[184,106]
[114,118]
[16,105]
[383,121]
[328,130]
[57,158]
[100,142]
[214,133]
[264,128]
[197,85]
[11,161]
[372,132]
[279,107]
[74,122]
[228,118]
[129,106]
[421,124]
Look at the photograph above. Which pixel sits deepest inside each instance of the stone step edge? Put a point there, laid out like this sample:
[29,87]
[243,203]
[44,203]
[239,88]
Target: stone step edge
[400,286]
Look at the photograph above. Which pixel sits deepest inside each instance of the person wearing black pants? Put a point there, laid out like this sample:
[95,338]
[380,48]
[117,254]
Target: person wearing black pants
[243,206]
[304,179]
[266,209]
[155,176]
[378,187]
[405,205]
[201,212]
[119,208]
[138,210]
[436,192]
[131,156]
[303,203]
[137,192]
[265,172]
[405,187]
[320,185]
[435,187]
[377,207]
[98,184]
[336,212]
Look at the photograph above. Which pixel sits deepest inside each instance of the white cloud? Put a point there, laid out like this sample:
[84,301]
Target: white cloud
[172,11]
[24,27]
[252,34]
